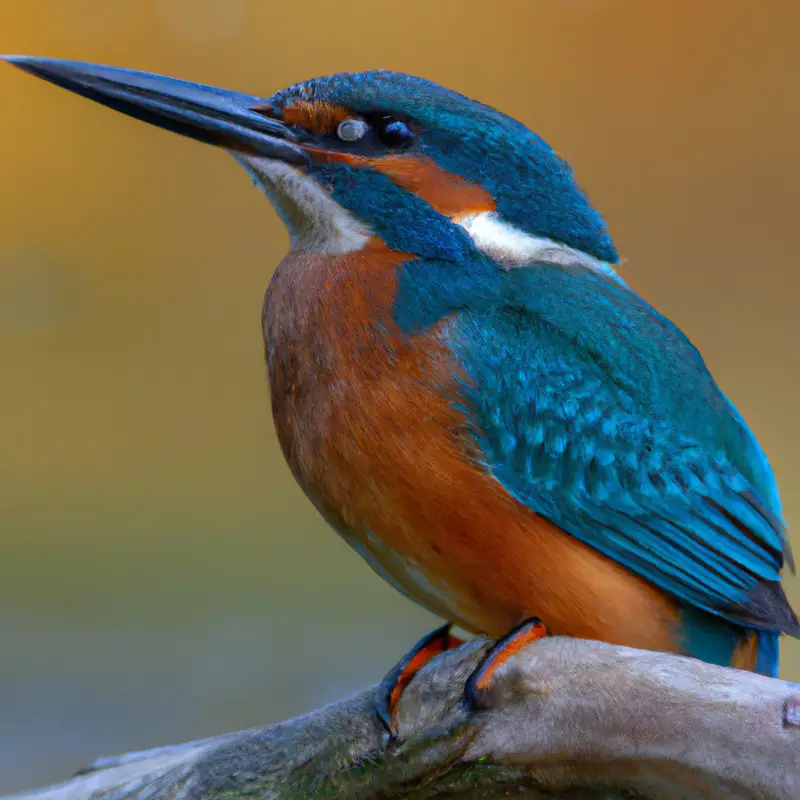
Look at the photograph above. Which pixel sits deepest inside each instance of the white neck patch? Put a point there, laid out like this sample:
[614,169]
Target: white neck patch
[316,222]
[511,247]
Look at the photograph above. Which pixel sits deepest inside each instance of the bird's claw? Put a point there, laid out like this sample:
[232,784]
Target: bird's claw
[400,676]
[479,682]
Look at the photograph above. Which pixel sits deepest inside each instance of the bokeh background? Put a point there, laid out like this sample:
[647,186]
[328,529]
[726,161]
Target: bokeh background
[161,576]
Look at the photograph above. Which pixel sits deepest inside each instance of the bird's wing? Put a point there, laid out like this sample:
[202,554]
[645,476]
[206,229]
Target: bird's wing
[596,412]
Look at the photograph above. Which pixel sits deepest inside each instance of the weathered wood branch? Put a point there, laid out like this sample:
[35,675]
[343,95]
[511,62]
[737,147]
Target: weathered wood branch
[568,718]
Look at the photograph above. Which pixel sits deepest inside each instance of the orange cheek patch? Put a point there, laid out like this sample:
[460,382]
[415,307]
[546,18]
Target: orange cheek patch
[316,117]
[449,194]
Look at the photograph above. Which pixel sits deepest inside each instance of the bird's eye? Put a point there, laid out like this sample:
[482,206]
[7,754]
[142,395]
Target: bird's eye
[394,132]
[351,130]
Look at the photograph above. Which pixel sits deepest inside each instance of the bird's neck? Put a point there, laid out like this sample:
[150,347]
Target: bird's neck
[317,224]
[511,247]
[422,211]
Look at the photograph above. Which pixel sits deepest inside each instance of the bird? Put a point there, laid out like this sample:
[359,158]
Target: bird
[468,390]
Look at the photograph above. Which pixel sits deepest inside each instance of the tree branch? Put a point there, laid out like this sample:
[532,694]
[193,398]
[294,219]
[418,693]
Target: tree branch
[568,718]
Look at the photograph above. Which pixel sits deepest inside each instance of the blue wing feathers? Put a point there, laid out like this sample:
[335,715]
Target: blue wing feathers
[596,412]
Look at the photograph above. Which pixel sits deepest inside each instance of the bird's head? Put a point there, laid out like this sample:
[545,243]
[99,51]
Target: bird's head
[356,155]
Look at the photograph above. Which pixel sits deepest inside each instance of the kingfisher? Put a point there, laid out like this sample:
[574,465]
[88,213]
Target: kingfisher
[469,392]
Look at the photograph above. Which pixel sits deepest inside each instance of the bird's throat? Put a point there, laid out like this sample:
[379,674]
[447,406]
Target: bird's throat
[316,222]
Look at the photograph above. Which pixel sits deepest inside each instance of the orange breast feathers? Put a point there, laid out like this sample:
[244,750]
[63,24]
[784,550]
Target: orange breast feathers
[366,419]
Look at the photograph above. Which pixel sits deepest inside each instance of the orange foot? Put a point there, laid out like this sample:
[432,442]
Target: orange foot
[478,683]
[394,684]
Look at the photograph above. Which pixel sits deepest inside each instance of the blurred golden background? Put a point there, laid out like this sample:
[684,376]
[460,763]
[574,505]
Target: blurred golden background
[161,576]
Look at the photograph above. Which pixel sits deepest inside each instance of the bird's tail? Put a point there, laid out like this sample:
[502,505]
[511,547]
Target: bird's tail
[767,655]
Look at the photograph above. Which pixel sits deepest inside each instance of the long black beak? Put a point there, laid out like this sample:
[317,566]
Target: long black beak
[215,116]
